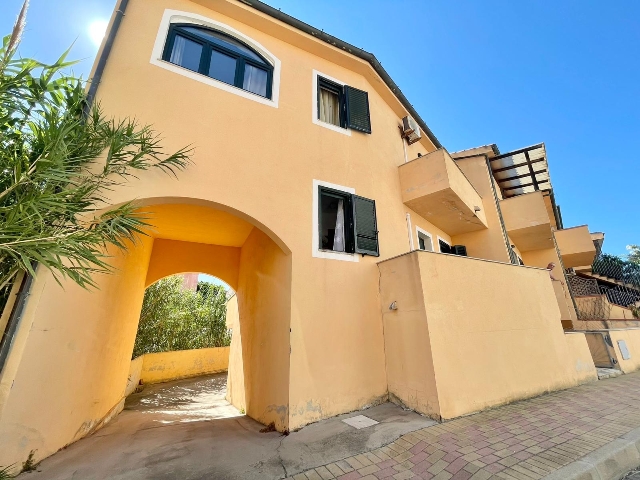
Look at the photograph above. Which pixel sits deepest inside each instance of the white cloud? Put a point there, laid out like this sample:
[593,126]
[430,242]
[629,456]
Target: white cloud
[97,31]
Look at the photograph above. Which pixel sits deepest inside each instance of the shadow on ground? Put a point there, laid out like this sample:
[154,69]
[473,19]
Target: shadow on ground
[187,430]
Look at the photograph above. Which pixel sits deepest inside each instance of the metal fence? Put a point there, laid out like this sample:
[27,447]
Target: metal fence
[617,283]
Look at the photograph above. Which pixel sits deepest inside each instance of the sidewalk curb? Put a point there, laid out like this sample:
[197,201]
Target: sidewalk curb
[610,462]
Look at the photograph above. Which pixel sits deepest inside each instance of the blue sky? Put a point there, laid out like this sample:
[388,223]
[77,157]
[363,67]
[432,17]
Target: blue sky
[563,72]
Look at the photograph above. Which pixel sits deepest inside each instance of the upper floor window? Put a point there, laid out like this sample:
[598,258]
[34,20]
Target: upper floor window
[342,106]
[218,56]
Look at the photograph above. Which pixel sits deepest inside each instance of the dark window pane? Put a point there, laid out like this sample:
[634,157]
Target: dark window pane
[335,214]
[186,53]
[421,243]
[255,80]
[224,41]
[223,67]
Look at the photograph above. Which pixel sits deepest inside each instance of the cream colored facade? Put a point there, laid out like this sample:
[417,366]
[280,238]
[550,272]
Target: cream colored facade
[313,332]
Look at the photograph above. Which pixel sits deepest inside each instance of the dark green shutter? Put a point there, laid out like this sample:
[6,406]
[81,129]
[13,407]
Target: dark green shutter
[357,105]
[365,226]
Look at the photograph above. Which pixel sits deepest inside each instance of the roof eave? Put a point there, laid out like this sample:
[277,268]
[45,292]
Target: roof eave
[358,52]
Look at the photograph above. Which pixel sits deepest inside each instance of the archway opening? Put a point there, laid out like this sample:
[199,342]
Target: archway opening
[221,244]
[180,358]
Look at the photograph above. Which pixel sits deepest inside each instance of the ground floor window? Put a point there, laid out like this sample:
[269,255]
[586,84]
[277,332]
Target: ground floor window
[347,223]
[336,221]
[425,241]
[444,246]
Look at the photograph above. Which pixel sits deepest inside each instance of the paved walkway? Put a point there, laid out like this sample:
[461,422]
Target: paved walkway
[522,441]
[186,430]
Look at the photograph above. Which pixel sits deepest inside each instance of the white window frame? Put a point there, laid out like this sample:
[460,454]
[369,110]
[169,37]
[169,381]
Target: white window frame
[316,251]
[426,234]
[440,238]
[314,104]
[176,16]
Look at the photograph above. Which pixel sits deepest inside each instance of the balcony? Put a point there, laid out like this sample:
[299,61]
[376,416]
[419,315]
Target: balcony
[463,334]
[576,246]
[434,187]
[527,221]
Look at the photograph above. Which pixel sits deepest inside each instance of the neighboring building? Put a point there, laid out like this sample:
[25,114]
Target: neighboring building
[190,281]
[369,263]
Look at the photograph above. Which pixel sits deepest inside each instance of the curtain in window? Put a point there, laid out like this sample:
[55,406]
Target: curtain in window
[338,238]
[255,80]
[178,50]
[329,107]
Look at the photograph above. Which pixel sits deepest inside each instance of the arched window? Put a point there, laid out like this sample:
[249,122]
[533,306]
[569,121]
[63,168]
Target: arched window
[218,56]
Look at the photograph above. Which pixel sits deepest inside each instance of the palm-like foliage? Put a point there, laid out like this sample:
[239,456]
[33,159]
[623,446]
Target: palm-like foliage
[59,159]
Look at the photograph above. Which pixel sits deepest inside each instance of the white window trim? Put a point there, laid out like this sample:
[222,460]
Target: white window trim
[314,104]
[176,16]
[427,234]
[316,251]
[440,238]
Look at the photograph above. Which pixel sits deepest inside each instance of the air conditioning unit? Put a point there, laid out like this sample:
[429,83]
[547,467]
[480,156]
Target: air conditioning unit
[459,250]
[411,130]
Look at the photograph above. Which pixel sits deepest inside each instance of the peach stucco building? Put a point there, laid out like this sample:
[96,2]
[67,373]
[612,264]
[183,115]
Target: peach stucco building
[370,264]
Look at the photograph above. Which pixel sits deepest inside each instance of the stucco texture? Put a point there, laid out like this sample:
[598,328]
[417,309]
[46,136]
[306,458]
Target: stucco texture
[502,341]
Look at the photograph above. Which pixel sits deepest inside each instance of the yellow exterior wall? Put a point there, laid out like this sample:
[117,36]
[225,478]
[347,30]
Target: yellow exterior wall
[170,257]
[502,342]
[135,371]
[632,339]
[264,305]
[409,357]
[418,221]
[490,243]
[542,258]
[236,394]
[581,355]
[75,362]
[166,366]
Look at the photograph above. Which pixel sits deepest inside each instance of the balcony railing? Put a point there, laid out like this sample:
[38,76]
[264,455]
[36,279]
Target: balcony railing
[616,284]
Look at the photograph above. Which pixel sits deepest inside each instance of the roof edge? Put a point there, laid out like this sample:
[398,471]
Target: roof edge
[358,52]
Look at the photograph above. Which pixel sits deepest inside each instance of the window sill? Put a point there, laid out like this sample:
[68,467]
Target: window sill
[333,255]
[331,126]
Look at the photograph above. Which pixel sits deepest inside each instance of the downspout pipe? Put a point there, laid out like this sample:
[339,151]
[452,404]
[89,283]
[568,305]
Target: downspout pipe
[25,288]
[104,55]
[14,319]
[347,47]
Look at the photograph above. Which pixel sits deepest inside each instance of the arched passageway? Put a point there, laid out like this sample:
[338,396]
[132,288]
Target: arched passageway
[79,368]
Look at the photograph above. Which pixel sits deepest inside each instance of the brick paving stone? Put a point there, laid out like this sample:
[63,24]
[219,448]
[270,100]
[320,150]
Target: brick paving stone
[350,476]
[344,466]
[385,473]
[335,470]
[368,470]
[363,460]
[443,475]
[354,463]
[313,475]
[403,475]
[523,440]
[387,464]
[324,473]
[481,475]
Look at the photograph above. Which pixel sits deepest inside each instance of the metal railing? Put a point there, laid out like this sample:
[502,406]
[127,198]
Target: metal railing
[619,285]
